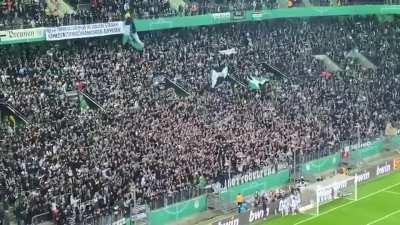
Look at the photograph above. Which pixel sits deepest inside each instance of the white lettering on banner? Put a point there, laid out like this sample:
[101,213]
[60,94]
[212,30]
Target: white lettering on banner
[139,216]
[357,146]
[230,222]
[84,31]
[254,216]
[221,16]
[21,34]
[380,170]
[13,34]
[248,177]
[257,15]
[363,177]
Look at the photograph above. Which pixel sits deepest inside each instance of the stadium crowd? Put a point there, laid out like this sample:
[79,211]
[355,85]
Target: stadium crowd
[26,14]
[19,14]
[162,147]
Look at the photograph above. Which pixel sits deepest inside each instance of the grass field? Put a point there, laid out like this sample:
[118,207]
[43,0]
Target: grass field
[378,204]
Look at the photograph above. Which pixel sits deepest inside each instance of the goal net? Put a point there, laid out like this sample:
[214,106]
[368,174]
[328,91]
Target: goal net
[323,192]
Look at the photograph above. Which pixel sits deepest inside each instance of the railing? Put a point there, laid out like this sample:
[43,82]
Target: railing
[329,150]
[107,219]
[175,197]
[38,219]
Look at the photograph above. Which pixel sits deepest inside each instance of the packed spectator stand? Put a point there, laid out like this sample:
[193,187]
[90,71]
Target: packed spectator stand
[150,145]
[16,14]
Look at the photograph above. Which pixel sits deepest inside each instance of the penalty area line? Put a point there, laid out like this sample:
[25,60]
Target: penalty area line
[384,217]
[392,192]
[348,203]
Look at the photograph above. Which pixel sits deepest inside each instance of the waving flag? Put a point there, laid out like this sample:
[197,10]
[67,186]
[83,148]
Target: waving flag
[130,35]
[58,8]
[10,116]
[360,59]
[228,51]
[255,83]
[218,77]
[86,103]
[179,89]
[329,64]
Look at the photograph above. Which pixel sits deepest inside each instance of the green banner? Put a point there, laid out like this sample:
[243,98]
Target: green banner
[22,36]
[366,150]
[396,140]
[321,165]
[266,183]
[357,152]
[196,205]
[369,149]
[178,211]
[220,18]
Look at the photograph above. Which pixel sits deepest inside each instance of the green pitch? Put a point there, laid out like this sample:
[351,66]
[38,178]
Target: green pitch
[378,204]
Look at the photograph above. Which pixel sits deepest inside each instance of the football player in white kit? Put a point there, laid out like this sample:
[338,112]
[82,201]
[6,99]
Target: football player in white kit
[286,205]
[281,206]
[294,203]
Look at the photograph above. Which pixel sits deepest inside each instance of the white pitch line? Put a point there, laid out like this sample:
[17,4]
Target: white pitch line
[384,217]
[392,192]
[349,203]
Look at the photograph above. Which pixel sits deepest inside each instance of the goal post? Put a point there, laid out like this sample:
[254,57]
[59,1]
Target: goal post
[317,194]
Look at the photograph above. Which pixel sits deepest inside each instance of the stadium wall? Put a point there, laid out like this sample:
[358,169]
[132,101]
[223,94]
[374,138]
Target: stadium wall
[358,152]
[113,28]
[321,165]
[178,211]
[370,149]
[279,179]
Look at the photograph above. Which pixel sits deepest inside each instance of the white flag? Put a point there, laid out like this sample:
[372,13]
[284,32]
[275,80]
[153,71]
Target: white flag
[228,51]
[218,75]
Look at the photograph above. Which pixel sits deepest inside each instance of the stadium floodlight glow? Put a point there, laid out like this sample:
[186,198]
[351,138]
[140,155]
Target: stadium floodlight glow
[320,193]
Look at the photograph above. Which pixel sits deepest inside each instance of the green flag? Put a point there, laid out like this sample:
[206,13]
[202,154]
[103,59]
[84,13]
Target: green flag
[255,83]
[179,89]
[130,35]
[132,40]
[11,117]
[202,182]
[329,64]
[86,103]
[83,105]
[359,58]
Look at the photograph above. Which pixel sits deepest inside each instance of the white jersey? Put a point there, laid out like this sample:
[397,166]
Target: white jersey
[287,202]
[293,202]
[286,205]
[281,205]
[298,200]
